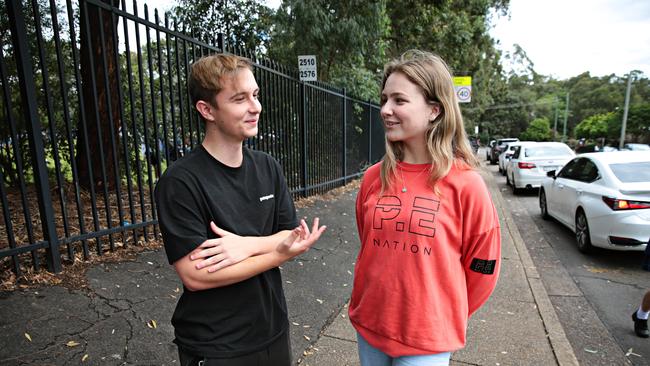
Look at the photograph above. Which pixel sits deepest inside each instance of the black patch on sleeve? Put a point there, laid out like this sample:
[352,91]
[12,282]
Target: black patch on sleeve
[483,266]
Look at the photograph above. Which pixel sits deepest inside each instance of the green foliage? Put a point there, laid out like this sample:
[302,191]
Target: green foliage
[595,126]
[347,37]
[538,130]
[244,23]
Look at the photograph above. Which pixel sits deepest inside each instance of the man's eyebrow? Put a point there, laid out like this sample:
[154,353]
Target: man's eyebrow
[242,93]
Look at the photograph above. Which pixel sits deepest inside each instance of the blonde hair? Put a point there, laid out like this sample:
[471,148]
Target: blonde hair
[446,139]
[206,75]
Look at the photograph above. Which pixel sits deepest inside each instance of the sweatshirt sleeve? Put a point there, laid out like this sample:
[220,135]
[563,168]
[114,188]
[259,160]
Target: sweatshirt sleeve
[481,253]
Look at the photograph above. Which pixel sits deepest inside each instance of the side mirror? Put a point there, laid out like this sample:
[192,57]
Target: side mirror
[551,174]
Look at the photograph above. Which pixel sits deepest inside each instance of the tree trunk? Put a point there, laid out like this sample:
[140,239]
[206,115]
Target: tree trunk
[96,119]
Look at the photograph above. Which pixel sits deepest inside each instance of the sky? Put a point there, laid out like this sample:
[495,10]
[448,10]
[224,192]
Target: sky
[564,38]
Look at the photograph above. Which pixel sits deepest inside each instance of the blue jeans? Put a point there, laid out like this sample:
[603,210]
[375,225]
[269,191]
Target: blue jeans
[370,356]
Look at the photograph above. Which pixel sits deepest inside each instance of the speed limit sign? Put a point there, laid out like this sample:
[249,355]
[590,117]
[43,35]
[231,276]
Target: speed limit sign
[463,87]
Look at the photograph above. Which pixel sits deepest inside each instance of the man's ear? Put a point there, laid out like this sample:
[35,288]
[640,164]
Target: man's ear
[205,109]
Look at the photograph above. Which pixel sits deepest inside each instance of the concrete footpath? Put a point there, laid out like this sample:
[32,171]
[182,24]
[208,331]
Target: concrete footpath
[121,314]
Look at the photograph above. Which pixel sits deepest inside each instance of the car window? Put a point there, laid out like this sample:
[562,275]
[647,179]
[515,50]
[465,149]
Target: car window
[632,172]
[588,172]
[515,155]
[541,151]
[572,169]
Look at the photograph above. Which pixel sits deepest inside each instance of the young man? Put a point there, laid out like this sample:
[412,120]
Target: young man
[228,222]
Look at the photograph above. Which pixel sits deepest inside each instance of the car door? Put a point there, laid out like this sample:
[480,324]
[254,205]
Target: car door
[563,191]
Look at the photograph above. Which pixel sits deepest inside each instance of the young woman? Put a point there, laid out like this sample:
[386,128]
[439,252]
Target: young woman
[430,236]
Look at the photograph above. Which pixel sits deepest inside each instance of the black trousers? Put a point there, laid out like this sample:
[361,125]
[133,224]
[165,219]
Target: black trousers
[277,353]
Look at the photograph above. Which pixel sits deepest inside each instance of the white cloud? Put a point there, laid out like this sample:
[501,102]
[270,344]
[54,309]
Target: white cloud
[564,38]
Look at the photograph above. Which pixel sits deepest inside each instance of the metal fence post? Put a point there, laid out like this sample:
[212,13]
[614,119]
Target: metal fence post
[28,96]
[303,118]
[345,136]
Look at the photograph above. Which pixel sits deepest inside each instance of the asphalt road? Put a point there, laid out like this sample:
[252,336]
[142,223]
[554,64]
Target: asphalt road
[594,295]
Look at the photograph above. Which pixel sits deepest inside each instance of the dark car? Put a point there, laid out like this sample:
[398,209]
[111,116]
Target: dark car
[498,147]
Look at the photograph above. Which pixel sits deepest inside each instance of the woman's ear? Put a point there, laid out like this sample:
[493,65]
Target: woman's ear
[205,109]
[435,111]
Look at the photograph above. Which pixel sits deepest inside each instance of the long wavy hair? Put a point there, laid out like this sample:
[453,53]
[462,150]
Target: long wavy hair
[446,139]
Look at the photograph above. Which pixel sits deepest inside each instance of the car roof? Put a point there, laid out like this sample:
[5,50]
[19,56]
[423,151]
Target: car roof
[610,157]
[549,143]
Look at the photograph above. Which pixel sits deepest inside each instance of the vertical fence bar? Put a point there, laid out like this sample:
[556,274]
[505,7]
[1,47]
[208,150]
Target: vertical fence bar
[145,130]
[303,123]
[98,125]
[25,73]
[67,119]
[125,127]
[345,136]
[6,213]
[82,122]
[152,91]
[369,133]
[162,88]
[50,116]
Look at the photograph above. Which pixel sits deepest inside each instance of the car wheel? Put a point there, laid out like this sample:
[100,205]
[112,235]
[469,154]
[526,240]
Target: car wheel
[543,206]
[507,179]
[515,190]
[582,232]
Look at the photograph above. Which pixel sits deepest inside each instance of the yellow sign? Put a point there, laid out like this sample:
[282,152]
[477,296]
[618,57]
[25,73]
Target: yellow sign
[463,87]
[462,81]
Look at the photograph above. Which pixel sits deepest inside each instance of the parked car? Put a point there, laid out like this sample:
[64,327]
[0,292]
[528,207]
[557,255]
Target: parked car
[530,162]
[498,147]
[488,151]
[505,156]
[474,143]
[637,147]
[603,197]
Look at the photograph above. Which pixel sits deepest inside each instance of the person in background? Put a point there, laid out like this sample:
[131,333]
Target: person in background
[228,221]
[430,235]
[640,317]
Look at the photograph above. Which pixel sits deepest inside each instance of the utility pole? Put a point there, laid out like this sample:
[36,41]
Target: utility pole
[557,104]
[566,116]
[627,104]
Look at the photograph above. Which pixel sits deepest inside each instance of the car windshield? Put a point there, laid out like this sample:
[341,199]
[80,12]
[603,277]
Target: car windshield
[632,172]
[540,151]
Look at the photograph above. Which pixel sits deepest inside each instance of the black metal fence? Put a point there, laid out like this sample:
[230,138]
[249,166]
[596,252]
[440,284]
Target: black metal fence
[94,108]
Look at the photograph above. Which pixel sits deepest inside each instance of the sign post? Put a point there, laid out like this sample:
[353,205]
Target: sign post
[307,67]
[463,87]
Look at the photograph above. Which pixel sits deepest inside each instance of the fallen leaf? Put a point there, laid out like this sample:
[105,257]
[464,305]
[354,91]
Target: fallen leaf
[307,338]
[319,301]
[294,323]
[29,338]
[84,358]
[152,324]
[591,350]
[72,344]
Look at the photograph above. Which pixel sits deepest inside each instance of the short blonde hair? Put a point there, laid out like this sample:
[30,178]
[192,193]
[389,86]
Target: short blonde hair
[446,139]
[206,75]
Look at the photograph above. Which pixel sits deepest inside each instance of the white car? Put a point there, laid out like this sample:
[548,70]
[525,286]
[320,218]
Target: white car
[603,197]
[505,156]
[530,162]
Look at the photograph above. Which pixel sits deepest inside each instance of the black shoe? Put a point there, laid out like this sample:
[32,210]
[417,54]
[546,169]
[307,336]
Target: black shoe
[640,326]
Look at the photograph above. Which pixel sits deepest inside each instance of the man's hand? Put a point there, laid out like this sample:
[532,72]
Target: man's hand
[222,252]
[300,240]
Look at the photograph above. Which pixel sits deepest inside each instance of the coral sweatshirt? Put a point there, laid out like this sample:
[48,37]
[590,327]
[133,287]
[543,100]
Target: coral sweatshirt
[427,261]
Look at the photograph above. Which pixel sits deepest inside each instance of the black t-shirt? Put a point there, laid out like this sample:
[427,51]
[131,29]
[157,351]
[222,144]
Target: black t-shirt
[250,200]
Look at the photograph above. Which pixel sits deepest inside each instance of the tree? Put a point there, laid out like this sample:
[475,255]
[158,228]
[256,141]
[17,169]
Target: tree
[243,23]
[347,37]
[538,130]
[98,126]
[595,126]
